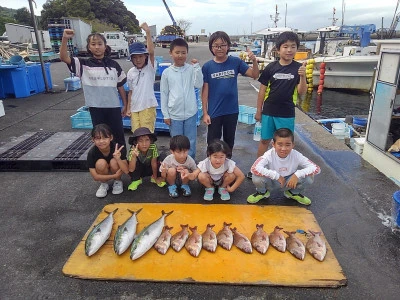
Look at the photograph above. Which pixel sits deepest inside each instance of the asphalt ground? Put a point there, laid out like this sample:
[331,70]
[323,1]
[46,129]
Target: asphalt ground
[46,214]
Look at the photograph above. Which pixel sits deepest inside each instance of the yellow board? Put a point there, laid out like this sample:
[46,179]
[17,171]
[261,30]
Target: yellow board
[225,267]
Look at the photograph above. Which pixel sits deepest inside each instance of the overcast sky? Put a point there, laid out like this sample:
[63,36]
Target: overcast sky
[243,16]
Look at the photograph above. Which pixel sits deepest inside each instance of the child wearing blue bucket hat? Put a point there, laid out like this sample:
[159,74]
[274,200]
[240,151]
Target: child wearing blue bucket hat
[142,102]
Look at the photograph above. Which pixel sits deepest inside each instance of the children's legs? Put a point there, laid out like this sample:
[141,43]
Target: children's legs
[114,167]
[147,118]
[262,147]
[205,179]
[228,178]
[171,176]
[267,132]
[135,123]
[229,129]
[102,167]
[263,184]
[214,130]
[190,130]
[301,184]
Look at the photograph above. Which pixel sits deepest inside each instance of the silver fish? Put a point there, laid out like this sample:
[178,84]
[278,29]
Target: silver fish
[259,239]
[277,240]
[316,246]
[178,240]
[209,239]
[126,233]
[225,237]
[164,241]
[294,245]
[148,237]
[241,241]
[194,242]
[99,234]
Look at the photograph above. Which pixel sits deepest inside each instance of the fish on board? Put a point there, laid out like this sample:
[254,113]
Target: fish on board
[294,245]
[225,237]
[178,240]
[259,239]
[277,239]
[164,241]
[126,233]
[99,234]
[241,241]
[316,245]
[194,242]
[209,239]
[148,237]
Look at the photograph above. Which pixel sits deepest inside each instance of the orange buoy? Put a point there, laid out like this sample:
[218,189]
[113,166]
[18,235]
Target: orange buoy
[321,78]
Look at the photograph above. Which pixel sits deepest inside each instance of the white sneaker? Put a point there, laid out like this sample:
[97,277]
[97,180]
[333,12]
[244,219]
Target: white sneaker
[117,187]
[102,190]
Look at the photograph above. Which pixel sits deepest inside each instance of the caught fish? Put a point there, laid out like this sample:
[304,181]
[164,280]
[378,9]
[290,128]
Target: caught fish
[194,242]
[277,239]
[178,240]
[99,234]
[294,245]
[225,237]
[126,233]
[316,246]
[164,240]
[209,239]
[260,240]
[148,237]
[241,241]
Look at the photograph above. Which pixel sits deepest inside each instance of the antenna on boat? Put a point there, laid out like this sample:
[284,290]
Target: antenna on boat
[333,17]
[275,18]
[343,11]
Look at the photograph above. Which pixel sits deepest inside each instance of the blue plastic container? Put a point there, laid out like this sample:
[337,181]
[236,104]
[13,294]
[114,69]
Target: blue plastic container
[396,209]
[17,60]
[163,66]
[360,121]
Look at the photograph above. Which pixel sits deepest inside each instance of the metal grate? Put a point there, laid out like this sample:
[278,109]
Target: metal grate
[25,146]
[76,149]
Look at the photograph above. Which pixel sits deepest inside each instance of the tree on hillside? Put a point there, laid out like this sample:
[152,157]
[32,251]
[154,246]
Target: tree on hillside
[23,17]
[3,21]
[53,9]
[79,8]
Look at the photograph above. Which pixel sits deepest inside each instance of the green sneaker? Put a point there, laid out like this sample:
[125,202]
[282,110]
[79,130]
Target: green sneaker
[298,197]
[161,184]
[134,185]
[257,196]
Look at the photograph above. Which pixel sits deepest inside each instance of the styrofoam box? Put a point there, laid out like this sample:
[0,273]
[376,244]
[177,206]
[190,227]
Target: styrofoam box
[359,145]
[2,112]
[72,83]
[246,114]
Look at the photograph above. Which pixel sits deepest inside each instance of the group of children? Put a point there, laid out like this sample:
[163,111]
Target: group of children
[281,81]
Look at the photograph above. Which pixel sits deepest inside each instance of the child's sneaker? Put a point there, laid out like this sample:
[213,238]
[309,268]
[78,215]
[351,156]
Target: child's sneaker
[173,191]
[224,194]
[102,190]
[134,185]
[117,187]
[209,194]
[257,196]
[161,184]
[298,197]
[186,190]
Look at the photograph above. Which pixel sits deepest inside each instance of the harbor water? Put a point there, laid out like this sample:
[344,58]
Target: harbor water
[335,104]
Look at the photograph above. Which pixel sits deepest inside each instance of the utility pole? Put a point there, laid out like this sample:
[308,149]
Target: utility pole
[40,45]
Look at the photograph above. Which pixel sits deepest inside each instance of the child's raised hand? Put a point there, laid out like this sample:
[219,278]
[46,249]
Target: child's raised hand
[194,61]
[302,69]
[135,150]
[117,151]
[144,26]
[68,33]
[250,54]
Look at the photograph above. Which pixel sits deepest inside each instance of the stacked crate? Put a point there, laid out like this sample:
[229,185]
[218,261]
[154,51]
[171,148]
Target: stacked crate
[56,30]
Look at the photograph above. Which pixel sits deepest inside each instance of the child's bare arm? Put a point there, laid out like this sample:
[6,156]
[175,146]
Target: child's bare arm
[238,181]
[149,41]
[68,33]
[103,178]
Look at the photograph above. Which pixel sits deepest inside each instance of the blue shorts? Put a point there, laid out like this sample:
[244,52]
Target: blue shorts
[270,124]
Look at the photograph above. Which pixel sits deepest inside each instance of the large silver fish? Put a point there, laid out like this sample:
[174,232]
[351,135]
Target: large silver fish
[225,237]
[164,241]
[126,233]
[209,239]
[294,245]
[178,240]
[277,239]
[194,242]
[316,246]
[148,237]
[99,234]
[259,239]
[241,241]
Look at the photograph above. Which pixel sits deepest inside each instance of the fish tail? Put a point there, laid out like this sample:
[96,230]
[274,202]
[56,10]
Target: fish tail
[167,214]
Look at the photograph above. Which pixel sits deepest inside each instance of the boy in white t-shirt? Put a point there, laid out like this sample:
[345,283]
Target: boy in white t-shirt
[284,168]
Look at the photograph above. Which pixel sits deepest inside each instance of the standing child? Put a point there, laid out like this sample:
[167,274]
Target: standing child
[143,158]
[142,102]
[220,89]
[106,161]
[283,167]
[178,98]
[102,79]
[281,82]
[218,171]
[177,167]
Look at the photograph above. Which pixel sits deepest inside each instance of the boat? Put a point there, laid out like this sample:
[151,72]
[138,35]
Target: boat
[349,55]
